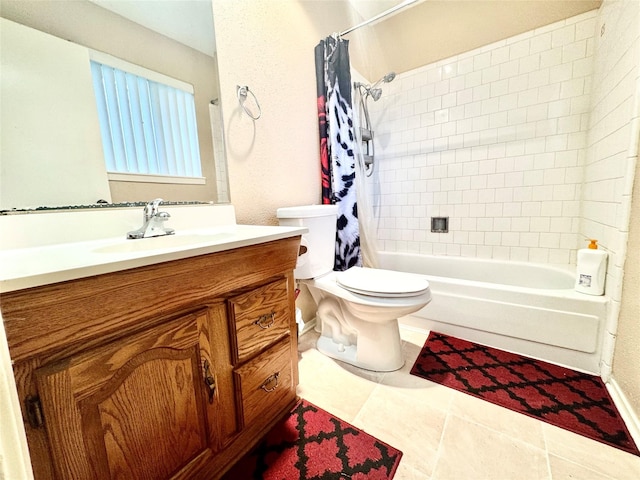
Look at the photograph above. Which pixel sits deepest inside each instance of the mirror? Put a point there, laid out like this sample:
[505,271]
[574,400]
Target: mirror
[129,30]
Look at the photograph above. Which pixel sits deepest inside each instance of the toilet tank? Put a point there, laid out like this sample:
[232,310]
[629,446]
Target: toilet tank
[320,242]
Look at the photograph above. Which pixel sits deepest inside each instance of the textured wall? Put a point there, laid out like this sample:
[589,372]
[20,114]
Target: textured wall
[626,360]
[272,162]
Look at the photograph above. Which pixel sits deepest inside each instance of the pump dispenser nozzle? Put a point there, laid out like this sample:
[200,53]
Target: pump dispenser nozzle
[593,244]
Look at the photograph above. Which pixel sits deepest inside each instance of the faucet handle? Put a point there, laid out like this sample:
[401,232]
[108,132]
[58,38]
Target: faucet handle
[151,208]
[152,222]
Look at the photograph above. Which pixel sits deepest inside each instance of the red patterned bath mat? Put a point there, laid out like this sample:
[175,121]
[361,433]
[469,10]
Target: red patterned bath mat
[562,397]
[313,444]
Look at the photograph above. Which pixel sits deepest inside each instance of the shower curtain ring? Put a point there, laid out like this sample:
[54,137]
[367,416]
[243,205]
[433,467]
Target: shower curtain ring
[242,93]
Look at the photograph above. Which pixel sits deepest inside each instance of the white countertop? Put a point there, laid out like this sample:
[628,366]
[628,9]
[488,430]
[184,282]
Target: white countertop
[41,265]
[40,249]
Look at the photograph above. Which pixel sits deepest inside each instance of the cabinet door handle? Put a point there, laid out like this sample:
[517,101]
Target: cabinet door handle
[209,381]
[266,321]
[271,383]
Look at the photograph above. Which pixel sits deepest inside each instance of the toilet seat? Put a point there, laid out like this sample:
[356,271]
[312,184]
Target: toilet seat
[382,283]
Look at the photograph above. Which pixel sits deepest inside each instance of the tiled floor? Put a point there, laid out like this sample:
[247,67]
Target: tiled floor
[445,434]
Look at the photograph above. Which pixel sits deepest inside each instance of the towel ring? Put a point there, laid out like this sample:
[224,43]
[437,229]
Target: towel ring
[242,97]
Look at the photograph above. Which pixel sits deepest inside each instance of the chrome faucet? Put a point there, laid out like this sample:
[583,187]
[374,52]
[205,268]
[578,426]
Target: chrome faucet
[152,220]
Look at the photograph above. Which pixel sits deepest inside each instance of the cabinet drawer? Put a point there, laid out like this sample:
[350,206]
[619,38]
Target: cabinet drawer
[259,318]
[265,384]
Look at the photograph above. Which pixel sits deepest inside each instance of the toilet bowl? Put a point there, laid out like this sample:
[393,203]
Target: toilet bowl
[357,309]
[358,312]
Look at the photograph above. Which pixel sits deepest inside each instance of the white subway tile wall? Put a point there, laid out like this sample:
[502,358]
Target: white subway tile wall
[610,161]
[496,140]
[612,148]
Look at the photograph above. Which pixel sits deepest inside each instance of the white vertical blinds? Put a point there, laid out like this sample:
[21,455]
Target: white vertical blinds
[147,127]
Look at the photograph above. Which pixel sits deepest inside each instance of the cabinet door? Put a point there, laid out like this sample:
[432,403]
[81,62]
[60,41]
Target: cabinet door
[135,408]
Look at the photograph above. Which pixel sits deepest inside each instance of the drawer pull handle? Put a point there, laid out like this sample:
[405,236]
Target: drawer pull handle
[266,321]
[209,381]
[271,383]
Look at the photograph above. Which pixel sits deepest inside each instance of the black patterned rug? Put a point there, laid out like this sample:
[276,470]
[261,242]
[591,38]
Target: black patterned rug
[562,397]
[313,444]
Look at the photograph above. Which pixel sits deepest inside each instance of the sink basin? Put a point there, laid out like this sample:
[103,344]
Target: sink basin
[163,242]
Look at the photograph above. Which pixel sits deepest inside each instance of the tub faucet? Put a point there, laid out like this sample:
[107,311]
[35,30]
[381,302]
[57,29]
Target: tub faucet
[152,222]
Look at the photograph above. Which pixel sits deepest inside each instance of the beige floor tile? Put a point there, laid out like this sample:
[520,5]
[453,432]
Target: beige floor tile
[590,454]
[423,391]
[332,385]
[513,424]
[406,471]
[562,469]
[406,423]
[472,451]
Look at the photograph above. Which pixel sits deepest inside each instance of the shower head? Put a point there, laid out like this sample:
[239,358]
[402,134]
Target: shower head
[371,90]
[386,79]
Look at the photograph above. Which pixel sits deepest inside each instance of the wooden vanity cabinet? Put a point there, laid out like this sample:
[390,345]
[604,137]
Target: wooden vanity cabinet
[165,371]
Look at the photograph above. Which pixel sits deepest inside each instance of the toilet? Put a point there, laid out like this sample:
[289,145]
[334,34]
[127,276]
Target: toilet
[358,309]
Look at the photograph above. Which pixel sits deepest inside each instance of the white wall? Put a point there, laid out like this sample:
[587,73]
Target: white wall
[495,140]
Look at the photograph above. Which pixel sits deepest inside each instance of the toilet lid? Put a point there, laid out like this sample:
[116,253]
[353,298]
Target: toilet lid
[382,283]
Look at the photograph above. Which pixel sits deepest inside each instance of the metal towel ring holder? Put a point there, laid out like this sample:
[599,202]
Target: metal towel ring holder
[242,97]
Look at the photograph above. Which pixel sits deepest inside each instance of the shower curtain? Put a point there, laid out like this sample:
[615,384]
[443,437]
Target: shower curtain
[337,145]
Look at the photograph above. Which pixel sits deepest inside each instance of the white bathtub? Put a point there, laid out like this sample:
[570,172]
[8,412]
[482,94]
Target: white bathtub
[525,308]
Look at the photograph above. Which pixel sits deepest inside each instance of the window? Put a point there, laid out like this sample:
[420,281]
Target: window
[147,122]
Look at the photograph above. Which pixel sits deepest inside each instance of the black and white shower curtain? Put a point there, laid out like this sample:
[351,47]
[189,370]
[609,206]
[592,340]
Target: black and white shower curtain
[337,145]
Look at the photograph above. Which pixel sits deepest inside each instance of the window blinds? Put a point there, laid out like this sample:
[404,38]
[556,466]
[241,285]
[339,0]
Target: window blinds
[147,127]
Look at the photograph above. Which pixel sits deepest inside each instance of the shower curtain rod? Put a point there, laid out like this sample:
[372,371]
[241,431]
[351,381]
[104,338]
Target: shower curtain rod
[391,10]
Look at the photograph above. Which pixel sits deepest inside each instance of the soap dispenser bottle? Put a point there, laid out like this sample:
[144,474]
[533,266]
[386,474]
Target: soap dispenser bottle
[591,269]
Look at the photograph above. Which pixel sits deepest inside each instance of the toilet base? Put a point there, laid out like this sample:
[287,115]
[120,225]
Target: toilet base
[349,354]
